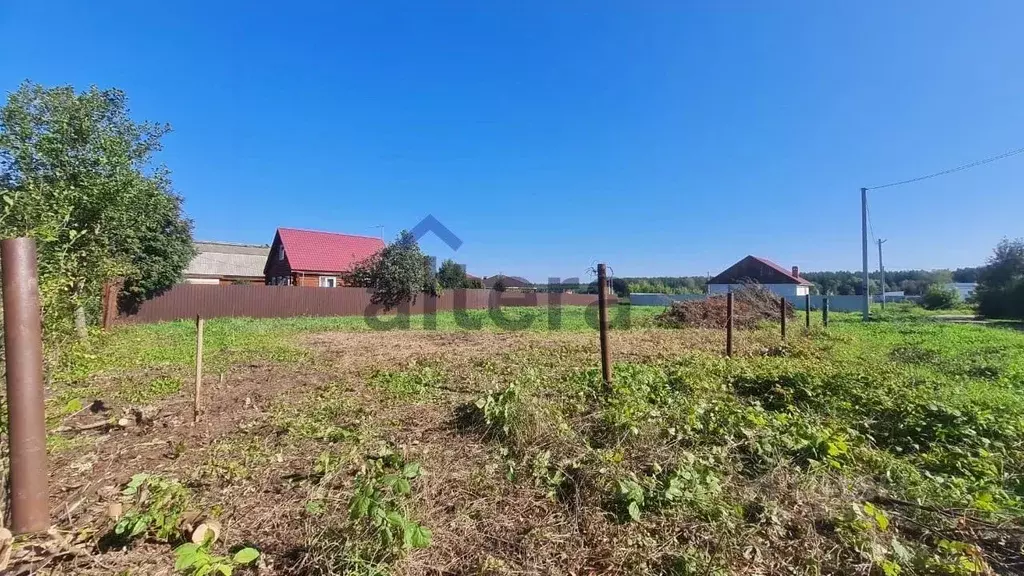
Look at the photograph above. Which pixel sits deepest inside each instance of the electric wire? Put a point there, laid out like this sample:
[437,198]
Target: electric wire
[951,170]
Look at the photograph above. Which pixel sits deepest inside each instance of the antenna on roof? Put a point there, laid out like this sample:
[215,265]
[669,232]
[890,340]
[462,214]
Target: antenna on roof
[381,228]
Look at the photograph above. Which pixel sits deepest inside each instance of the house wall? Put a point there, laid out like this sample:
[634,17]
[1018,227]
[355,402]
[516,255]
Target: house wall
[202,281]
[787,290]
[240,280]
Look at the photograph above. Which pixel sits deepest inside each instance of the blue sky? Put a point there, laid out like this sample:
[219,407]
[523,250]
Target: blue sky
[665,138]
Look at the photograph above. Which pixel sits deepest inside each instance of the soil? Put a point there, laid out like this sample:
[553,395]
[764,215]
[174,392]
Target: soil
[477,517]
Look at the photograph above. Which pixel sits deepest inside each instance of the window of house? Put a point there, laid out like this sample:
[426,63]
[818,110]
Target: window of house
[280,252]
[328,282]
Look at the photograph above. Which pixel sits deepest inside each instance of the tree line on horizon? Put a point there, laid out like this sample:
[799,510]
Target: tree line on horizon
[843,283]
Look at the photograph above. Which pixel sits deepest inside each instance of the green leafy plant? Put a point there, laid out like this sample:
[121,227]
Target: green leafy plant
[156,505]
[379,502]
[416,381]
[198,560]
[499,412]
[378,529]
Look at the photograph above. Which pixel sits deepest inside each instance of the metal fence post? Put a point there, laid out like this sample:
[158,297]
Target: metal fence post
[728,324]
[824,311]
[782,315]
[807,309]
[602,304]
[23,347]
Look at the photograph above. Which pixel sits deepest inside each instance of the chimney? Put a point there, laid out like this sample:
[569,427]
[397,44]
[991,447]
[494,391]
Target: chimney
[796,271]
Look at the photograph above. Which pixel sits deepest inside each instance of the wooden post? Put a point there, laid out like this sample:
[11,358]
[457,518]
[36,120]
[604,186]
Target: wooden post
[602,304]
[199,369]
[782,315]
[824,311]
[807,309]
[728,325]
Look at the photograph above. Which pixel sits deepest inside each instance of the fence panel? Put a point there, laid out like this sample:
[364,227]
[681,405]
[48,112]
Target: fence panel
[258,301]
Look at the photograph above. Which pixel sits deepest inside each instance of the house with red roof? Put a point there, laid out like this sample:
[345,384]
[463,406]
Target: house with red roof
[764,272]
[311,258]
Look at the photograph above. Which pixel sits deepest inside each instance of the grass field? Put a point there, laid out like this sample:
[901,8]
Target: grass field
[892,447]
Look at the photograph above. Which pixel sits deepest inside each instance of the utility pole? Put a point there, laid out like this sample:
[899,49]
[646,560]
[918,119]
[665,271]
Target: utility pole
[864,245]
[881,270]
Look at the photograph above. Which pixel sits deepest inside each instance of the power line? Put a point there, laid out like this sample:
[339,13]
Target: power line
[951,170]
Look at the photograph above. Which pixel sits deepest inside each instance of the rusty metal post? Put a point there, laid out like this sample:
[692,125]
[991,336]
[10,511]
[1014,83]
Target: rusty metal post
[728,324]
[782,315]
[197,407]
[807,309]
[824,311]
[602,306]
[23,347]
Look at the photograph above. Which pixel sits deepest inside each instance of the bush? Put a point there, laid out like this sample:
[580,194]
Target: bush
[939,298]
[1000,292]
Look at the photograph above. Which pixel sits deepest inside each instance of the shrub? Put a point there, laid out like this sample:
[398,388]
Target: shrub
[1000,292]
[939,298]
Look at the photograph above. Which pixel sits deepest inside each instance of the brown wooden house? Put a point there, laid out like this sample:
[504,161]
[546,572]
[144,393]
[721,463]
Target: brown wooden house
[310,258]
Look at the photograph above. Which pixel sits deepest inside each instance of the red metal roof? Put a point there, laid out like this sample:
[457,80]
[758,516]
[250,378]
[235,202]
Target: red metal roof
[311,251]
[781,270]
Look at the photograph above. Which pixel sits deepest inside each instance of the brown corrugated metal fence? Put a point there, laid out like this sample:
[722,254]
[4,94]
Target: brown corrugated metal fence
[255,301]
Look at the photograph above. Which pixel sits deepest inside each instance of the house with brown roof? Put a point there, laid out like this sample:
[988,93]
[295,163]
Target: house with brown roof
[764,272]
[311,258]
[513,283]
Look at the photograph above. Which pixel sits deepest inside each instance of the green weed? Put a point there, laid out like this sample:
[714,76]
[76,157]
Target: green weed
[379,529]
[417,381]
[154,508]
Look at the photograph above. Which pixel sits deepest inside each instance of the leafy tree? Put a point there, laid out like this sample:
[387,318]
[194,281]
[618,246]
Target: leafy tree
[475,283]
[451,275]
[77,174]
[971,274]
[620,287]
[940,298]
[397,274]
[499,285]
[1000,292]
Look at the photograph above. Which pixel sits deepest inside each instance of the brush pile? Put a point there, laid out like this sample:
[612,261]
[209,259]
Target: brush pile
[752,304]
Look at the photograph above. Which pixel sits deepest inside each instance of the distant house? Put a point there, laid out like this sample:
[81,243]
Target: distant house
[514,283]
[964,289]
[764,272]
[310,258]
[227,263]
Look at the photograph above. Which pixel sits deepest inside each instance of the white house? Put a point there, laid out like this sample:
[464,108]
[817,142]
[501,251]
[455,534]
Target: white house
[761,271]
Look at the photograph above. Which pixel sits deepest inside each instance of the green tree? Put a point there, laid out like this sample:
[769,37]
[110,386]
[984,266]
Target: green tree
[499,284]
[620,287]
[1000,292]
[397,274]
[474,283]
[451,275]
[78,175]
[940,298]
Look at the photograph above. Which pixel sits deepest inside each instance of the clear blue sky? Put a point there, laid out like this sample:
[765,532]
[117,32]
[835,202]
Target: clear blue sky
[665,138]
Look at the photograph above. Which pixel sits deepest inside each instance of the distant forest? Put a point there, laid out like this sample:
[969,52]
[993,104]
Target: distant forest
[912,282]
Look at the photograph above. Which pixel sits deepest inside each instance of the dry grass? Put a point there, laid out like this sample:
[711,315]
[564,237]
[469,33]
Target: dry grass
[277,454]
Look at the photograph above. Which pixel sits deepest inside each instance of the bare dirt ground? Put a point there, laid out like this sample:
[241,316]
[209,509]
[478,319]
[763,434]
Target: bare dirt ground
[244,466]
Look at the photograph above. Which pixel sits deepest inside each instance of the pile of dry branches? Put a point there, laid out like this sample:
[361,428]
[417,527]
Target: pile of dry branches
[752,304]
